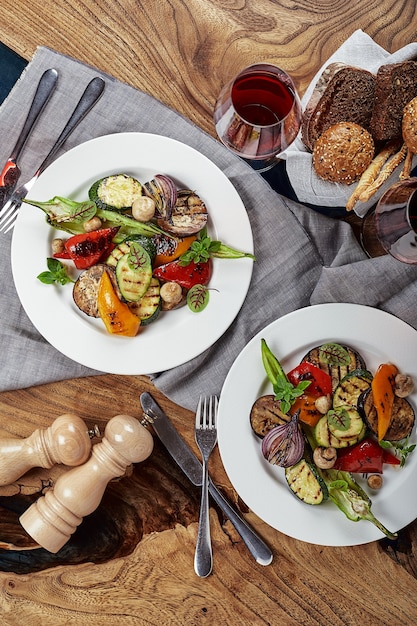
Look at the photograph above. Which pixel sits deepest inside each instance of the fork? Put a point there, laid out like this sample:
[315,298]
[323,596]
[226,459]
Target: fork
[92,93]
[206,438]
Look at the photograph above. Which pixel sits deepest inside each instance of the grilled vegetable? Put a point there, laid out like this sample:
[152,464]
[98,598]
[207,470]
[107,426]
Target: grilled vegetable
[345,422]
[134,273]
[283,445]
[265,414]
[324,436]
[90,248]
[163,192]
[188,216]
[320,381]
[401,420]
[85,290]
[306,406]
[383,386]
[367,456]
[351,499]
[350,388]
[116,315]
[187,277]
[148,307]
[337,368]
[306,483]
[115,193]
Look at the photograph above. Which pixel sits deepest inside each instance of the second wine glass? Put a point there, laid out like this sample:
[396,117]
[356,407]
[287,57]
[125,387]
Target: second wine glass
[258,113]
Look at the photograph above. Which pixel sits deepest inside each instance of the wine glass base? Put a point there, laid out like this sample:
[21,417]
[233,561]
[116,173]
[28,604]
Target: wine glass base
[262,165]
[369,238]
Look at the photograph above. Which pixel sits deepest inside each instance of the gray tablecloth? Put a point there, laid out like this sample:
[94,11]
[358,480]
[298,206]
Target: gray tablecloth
[302,256]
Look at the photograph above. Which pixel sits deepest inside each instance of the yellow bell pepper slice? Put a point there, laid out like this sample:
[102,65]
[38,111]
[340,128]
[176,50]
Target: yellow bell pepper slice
[116,315]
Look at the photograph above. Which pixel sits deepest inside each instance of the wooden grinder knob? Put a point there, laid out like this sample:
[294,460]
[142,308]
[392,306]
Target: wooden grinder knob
[54,517]
[66,441]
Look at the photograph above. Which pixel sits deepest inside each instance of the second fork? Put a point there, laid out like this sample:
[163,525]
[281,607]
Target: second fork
[206,438]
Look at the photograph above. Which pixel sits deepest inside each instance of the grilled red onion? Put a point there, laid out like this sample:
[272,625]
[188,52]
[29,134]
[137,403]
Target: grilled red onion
[163,191]
[283,445]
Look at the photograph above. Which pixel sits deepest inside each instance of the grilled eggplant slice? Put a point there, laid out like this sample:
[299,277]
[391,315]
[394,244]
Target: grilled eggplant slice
[337,373]
[188,216]
[85,290]
[265,414]
[402,420]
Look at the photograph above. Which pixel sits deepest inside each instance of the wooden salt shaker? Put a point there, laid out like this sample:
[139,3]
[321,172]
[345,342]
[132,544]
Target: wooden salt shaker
[54,517]
[66,441]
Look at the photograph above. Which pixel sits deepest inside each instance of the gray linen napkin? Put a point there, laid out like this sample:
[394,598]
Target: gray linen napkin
[302,256]
[359,50]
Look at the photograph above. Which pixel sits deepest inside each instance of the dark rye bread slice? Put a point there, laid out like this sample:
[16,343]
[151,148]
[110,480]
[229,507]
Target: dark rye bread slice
[342,94]
[396,85]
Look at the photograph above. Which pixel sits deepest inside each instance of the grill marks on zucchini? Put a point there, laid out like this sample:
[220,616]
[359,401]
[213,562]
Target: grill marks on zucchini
[306,483]
[350,388]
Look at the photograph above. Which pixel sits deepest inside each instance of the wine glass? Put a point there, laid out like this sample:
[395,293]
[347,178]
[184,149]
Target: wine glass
[258,114]
[392,226]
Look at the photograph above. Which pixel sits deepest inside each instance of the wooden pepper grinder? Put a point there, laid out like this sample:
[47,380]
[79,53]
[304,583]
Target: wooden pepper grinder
[54,517]
[66,441]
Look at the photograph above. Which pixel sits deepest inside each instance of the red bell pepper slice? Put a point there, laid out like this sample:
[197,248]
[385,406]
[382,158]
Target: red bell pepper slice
[321,382]
[185,275]
[366,456]
[87,249]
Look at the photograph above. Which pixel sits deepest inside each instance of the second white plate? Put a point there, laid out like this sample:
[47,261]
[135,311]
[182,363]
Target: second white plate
[379,337]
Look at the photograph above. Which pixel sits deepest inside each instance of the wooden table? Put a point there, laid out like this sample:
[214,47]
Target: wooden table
[135,565]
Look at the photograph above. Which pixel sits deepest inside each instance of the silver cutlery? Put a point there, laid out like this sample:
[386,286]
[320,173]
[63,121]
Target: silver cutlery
[206,438]
[11,171]
[92,93]
[192,468]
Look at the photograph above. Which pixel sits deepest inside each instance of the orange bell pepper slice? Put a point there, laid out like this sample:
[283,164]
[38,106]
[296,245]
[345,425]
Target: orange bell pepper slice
[383,385]
[308,413]
[170,248]
[116,315]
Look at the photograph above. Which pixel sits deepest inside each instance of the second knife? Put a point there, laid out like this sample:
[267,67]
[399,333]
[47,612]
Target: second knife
[192,468]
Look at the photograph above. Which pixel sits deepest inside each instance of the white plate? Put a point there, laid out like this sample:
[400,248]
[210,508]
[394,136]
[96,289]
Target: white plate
[379,337]
[177,336]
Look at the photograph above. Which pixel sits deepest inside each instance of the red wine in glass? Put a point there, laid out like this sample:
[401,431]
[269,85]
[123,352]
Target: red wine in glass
[393,224]
[258,114]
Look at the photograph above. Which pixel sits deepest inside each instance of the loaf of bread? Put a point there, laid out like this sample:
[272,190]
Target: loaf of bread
[396,85]
[343,152]
[342,94]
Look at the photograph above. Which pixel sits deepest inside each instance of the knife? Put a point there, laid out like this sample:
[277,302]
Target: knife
[192,468]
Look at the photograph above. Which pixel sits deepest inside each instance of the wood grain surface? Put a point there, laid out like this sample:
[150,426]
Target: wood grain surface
[131,562]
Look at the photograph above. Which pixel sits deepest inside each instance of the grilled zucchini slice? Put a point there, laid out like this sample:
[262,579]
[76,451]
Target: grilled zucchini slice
[133,283]
[115,193]
[306,483]
[351,387]
[324,436]
[149,306]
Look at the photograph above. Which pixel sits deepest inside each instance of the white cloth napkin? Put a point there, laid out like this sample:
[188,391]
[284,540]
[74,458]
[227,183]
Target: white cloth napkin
[359,51]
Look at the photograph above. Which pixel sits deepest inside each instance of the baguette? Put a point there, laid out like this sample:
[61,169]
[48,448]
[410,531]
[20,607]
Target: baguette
[371,172]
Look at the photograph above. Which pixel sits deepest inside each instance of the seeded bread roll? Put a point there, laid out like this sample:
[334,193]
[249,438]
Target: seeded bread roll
[396,84]
[342,93]
[343,152]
